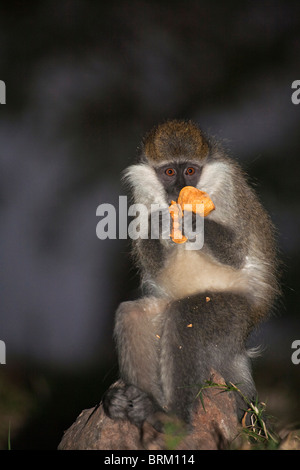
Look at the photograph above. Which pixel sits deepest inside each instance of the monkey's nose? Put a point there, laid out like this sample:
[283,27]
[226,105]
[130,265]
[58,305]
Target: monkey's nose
[173,196]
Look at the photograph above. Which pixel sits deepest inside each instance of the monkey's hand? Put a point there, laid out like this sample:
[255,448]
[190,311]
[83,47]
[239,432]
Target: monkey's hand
[193,200]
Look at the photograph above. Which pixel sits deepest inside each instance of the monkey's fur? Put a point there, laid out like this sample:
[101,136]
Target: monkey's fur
[223,290]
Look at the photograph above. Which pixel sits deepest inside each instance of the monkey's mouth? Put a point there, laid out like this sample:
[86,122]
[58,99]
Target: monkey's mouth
[173,195]
[171,199]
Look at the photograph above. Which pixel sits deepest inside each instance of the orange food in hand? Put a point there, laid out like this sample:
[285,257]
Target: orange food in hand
[176,214]
[191,196]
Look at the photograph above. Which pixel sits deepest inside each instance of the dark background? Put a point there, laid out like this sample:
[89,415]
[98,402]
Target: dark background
[84,81]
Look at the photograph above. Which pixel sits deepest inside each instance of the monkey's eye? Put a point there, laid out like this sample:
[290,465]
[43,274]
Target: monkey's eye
[190,171]
[170,171]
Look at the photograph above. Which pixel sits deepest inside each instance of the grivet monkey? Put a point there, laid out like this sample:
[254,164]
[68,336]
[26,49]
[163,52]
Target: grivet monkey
[162,361]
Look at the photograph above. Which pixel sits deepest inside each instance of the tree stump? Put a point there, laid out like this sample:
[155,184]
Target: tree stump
[214,426]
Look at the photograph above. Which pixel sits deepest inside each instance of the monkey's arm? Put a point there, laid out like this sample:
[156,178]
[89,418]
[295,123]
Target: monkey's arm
[151,252]
[223,243]
[220,242]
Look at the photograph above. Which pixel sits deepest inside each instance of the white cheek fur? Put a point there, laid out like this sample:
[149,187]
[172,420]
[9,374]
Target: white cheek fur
[216,181]
[147,189]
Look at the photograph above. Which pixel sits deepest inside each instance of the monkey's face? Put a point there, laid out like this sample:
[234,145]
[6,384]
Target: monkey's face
[177,151]
[175,175]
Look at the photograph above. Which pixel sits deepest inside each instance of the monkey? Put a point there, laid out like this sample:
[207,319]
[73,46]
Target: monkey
[223,290]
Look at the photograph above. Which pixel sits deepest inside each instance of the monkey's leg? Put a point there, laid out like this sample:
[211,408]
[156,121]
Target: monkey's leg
[202,333]
[137,332]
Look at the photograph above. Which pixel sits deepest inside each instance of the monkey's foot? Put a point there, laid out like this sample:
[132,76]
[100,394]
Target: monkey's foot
[115,402]
[128,402]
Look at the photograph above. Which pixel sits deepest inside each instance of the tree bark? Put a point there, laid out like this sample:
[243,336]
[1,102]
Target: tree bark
[214,426]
